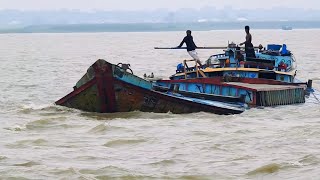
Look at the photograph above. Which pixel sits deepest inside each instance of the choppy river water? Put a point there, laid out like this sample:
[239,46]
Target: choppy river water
[39,140]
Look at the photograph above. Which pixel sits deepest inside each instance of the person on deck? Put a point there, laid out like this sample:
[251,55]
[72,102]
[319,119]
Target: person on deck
[249,49]
[191,47]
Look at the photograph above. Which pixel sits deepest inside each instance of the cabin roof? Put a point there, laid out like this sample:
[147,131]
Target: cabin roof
[263,87]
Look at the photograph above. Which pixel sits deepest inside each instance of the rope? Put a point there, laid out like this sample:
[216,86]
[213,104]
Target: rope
[315,97]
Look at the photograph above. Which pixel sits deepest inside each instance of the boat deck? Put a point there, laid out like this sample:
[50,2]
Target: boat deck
[273,95]
[264,87]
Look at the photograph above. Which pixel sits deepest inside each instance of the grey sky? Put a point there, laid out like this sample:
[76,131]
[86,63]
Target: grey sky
[152,4]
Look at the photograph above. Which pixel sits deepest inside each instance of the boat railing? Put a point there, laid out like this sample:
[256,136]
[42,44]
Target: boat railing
[197,68]
[223,65]
[250,65]
[174,88]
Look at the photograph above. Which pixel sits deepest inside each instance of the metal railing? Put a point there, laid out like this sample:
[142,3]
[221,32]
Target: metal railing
[197,69]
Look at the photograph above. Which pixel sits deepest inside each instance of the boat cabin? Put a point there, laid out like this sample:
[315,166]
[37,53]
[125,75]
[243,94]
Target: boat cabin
[275,62]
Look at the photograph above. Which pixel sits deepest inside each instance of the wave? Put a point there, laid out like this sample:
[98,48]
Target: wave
[28,164]
[104,170]
[48,123]
[70,173]
[3,158]
[164,162]
[44,123]
[114,172]
[44,109]
[103,128]
[87,158]
[196,177]
[127,177]
[123,142]
[267,169]
[28,108]
[26,143]
[16,128]
[99,129]
[309,160]
[127,115]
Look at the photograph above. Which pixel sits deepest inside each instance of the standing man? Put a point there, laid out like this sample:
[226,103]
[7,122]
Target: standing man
[191,47]
[248,44]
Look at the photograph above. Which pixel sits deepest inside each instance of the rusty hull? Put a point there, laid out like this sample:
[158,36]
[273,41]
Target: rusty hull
[107,88]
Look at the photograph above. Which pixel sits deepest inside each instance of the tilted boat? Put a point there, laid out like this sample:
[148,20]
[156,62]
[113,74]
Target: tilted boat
[225,85]
[268,79]
[108,88]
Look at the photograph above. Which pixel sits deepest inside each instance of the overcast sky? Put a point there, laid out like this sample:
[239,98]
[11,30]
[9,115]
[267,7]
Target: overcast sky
[152,4]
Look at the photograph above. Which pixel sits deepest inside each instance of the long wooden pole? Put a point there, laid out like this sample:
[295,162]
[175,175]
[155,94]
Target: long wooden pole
[217,47]
[186,48]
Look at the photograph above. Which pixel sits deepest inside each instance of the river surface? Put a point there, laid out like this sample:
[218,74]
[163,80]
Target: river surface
[39,140]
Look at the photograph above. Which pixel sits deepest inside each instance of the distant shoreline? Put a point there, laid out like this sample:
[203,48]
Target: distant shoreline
[160,27]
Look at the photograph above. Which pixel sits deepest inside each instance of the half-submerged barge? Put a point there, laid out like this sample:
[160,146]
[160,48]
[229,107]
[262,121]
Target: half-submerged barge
[108,88]
[227,84]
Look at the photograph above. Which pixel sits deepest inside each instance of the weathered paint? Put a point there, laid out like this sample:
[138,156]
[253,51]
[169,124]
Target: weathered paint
[217,89]
[284,78]
[87,77]
[281,97]
[83,98]
[77,91]
[277,59]
[265,65]
[253,72]
[114,90]
[242,73]
[251,88]
[130,78]
[103,74]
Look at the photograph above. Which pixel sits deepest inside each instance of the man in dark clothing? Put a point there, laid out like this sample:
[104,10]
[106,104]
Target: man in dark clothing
[248,44]
[191,46]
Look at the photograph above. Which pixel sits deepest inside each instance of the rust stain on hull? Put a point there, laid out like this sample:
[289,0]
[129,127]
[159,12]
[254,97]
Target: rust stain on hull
[106,93]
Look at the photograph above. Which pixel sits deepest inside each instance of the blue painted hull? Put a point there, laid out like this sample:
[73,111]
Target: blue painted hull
[108,88]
